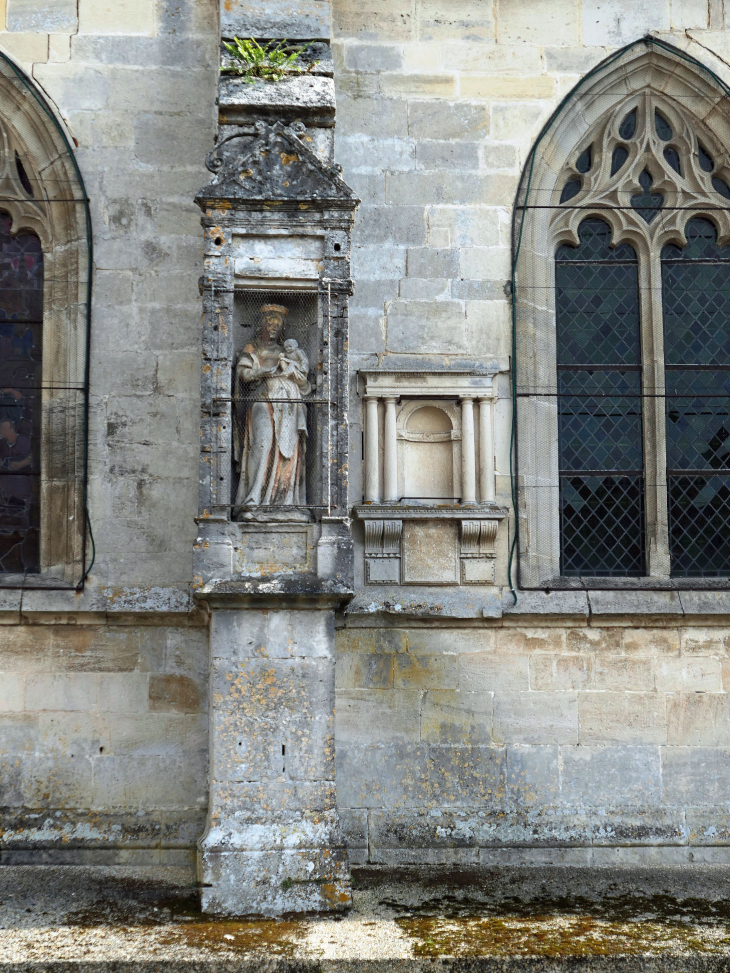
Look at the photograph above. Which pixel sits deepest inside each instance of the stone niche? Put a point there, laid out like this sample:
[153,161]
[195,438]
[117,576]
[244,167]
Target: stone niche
[277,221]
[429,514]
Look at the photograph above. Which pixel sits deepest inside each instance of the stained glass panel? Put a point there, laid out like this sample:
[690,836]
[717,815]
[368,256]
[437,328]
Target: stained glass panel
[696,292]
[599,406]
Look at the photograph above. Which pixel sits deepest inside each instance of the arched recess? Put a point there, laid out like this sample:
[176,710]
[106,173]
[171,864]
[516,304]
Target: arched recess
[43,195]
[575,173]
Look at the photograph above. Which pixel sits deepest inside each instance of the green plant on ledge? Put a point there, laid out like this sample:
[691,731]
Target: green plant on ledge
[268,62]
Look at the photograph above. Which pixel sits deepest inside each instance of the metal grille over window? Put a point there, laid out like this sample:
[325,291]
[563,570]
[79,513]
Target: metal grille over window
[621,302]
[599,406]
[281,407]
[44,329]
[696,301]
[21,351]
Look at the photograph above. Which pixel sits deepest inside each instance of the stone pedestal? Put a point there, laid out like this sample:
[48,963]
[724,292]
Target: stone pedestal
[273,843]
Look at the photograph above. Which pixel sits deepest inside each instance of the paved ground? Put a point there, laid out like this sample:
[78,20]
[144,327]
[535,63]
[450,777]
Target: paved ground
[105,919]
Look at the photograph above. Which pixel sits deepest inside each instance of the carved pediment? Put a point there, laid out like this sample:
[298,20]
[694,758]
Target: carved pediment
[277,166]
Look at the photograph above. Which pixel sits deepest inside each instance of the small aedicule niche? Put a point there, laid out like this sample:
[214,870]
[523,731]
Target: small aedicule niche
[429,510]
[279,407]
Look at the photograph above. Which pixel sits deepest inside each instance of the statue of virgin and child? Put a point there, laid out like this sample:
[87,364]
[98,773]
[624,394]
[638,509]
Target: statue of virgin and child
[270,434]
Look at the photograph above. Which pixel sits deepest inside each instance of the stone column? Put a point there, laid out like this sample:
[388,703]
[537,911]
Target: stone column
[468,453]
[371,448]
[273,842]
[390,453]
[486,452]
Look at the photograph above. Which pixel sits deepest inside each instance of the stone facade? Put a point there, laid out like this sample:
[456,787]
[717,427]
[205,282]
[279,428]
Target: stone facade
[570,726]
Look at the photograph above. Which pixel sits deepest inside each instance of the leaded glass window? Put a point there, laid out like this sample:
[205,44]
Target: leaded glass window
[696,312]
[21,324]
[642,345]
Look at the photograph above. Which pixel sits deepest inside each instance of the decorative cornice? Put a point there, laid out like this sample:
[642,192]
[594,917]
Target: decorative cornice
[413,511]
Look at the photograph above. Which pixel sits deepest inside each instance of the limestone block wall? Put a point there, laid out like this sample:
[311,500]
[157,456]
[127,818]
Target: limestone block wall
[526,742]
[103,736]
[569,734]
[103,742]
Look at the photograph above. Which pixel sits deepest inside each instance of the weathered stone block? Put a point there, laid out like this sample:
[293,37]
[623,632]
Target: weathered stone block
[455,188]
[45,15]
[373,57]
[620,717]
[493,672]
[533,775]
[695,775]
[426,326]
[447,155]
[456,717]
[699,719]
[364,671]
[466,775]
[447,121]
[609,25]
[117,17]
[460,20]
[173,694]
[29,49]
[275,882]
[397,225]
[615,776]
[47,691]
[252,687]
[12,691]
[534,717]
[496,88]
[550,673]
[417,670]
[74,86]
[532,22]
[379,117]
[393,775]
[372,716]
[623,674]
[699,674]
[381,262]
[432,262]
[370,20]
[294,19]
[358,155]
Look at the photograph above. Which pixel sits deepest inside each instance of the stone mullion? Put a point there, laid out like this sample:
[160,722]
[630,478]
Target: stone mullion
[653,414]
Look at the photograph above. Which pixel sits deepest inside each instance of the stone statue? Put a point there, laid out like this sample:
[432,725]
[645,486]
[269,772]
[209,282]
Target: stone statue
[270,441]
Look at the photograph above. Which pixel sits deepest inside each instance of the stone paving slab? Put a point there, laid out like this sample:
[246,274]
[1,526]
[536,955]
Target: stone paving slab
[114,920]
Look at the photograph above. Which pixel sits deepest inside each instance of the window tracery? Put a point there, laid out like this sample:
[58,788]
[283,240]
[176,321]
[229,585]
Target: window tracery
[621,318]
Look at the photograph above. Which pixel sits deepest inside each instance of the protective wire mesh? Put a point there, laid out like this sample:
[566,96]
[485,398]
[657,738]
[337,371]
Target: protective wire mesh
[599,406]
[280,406]
[582,432]
[45,259]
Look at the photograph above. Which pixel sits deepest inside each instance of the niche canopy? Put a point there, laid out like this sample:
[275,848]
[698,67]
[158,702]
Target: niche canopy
[274,440]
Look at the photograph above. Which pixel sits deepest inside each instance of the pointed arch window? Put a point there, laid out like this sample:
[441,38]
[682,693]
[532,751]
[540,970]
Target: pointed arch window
[45,259]
[623,341]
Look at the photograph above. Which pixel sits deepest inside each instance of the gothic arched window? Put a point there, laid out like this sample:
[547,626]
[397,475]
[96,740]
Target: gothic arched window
[623,333]
[44,291]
